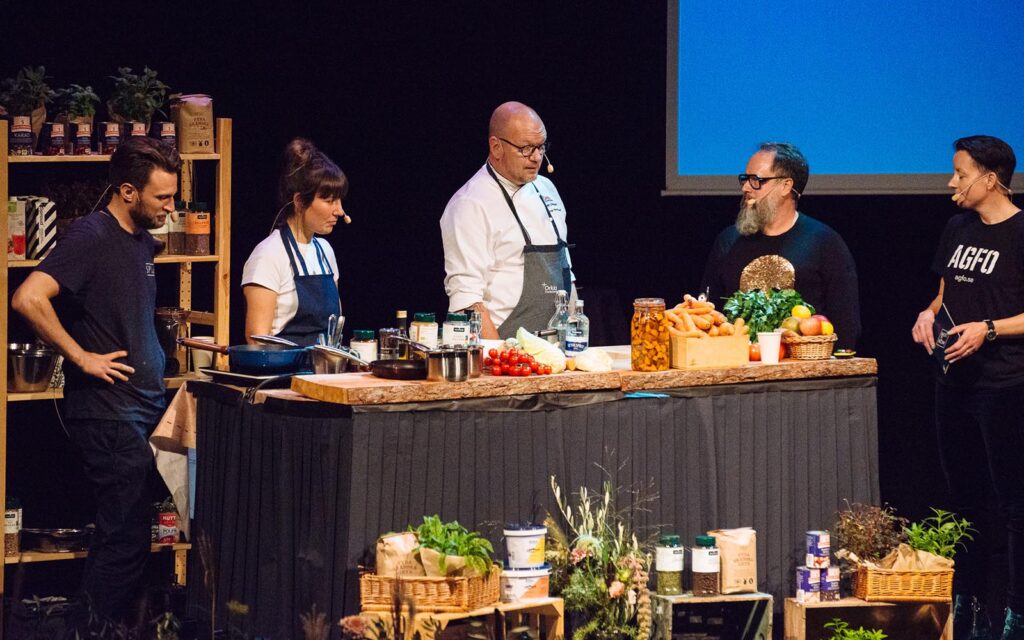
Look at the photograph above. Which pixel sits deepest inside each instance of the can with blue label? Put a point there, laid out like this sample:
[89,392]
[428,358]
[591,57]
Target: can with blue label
[108,136]
[81,138]
[808,584]
[819,543]
[830,584]
[165,132]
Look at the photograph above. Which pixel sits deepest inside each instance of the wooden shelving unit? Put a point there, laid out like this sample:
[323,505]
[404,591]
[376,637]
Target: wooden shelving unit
[216,317]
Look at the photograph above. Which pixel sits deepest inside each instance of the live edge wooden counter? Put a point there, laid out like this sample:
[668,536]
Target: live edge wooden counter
[364,389]
[292,492]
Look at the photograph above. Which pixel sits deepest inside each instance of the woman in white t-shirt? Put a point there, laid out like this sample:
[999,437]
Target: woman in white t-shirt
[290,280]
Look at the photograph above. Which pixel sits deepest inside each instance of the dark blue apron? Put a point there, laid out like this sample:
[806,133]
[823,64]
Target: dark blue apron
[317,293]
[545,271]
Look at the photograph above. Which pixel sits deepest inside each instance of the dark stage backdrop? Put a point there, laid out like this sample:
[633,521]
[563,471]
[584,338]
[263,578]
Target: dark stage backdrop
[399,96]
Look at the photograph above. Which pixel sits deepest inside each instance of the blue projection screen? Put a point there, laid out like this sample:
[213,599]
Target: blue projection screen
[873,92]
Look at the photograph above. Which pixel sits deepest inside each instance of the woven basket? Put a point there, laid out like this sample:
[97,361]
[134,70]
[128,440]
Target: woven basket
[436,595]
[810,347]
[884,585]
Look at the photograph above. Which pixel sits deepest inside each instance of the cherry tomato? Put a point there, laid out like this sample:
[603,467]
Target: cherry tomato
[525,367]
[503,356]
[755,352]
[782,352]
[534,366]
[493,353]
[505,368]
[496,370]
[513,359]
[488,361]
[547,369]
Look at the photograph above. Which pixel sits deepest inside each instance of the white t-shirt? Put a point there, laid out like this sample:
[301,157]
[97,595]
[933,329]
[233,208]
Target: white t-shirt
[268,266]
[483,244]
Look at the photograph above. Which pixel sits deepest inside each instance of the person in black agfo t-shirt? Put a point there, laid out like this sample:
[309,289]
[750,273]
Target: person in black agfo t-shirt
[102,267]
[979,398]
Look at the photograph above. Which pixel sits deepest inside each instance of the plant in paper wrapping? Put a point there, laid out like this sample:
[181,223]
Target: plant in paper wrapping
[27,94]
[448,548]
[77,103]
[599,567]
[136,97]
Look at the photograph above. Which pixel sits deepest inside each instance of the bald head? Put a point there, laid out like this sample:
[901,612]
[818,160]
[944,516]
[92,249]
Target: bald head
[511,117]
[514,127]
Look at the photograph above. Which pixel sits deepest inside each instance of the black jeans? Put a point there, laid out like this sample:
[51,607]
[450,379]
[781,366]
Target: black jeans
[981,446]
[119,464]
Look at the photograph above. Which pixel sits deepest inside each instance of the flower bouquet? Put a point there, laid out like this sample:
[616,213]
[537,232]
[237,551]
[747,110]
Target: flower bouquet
[599,567]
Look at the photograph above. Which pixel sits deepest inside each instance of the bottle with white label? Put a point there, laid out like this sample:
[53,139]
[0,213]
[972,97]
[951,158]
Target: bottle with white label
[706,566]
[668,562]
[455,332]
[577,333]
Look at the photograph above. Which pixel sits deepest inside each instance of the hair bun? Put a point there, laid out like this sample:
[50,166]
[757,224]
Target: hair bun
[298,152]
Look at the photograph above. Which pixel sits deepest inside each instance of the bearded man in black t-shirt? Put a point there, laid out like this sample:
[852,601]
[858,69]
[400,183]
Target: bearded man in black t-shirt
[773,245]
[979,396]
[102,267]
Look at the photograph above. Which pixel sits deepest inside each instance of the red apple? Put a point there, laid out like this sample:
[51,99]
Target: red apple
[820,317]
[810,326]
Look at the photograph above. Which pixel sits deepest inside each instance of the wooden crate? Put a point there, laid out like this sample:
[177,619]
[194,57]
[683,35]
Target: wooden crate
[722,351]
[541,615]
[742,616]
[917,620]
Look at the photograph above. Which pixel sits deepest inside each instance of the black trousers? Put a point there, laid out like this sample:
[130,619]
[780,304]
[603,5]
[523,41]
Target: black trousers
[119,463]
[981,447]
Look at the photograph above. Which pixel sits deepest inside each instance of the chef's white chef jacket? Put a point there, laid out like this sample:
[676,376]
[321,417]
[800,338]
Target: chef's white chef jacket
[483,245]
[268,266]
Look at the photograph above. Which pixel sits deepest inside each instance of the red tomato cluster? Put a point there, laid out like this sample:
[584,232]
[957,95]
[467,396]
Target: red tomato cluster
[514,362]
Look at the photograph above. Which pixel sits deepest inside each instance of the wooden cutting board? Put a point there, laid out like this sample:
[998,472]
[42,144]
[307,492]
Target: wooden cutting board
[364,388]
[750,372]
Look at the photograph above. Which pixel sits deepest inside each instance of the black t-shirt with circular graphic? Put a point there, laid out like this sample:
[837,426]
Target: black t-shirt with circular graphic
[983,269]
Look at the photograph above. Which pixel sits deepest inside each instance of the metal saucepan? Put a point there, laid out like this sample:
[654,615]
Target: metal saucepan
[260,360]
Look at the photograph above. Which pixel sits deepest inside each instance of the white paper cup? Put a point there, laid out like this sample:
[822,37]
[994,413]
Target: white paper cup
[770,342]
[201,359]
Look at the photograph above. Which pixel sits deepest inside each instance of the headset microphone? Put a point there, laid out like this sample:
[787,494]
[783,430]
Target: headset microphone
[346,218]
[751,202]
[960,196]
[551,167]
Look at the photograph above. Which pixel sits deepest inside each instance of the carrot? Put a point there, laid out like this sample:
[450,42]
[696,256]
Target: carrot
[688,322]
[703,322]
[718,316]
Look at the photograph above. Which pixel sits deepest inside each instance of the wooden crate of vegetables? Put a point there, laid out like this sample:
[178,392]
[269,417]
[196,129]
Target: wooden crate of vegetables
[701,336]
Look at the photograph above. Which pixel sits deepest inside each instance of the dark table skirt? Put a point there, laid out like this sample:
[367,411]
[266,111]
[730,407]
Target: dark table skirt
[291,497]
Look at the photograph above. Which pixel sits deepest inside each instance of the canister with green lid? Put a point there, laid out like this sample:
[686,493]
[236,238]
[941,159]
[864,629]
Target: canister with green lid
[364,341]
[706,566]
[424,329]
[668,562]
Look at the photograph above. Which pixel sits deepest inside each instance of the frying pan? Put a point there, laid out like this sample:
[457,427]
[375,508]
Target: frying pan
[399,369]
[258,360]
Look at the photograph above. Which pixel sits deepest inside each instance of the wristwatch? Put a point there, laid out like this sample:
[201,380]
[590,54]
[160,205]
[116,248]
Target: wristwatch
[991,333]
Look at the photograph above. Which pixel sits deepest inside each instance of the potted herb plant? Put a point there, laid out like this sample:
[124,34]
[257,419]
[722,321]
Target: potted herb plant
[939,534]
[842,631]
[136,97]
[77,103]
[448,548]
[868,532]
[25,97]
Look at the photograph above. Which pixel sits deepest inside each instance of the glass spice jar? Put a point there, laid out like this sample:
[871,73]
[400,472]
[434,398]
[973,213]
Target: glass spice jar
[649,339]
[706,566]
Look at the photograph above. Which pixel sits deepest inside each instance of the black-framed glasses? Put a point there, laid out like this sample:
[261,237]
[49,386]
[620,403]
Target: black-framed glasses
[755,181]
[527,150]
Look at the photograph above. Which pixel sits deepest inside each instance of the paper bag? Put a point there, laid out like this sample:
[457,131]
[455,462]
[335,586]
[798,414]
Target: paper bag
[737,549]
[396,555]
[193,118]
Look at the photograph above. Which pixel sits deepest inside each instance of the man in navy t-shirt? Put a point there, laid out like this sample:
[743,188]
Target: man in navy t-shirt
[114,392]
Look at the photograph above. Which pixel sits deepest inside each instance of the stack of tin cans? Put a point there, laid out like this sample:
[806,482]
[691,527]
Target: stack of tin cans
[817,580]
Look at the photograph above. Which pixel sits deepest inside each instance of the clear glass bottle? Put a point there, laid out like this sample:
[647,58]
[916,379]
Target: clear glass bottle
[559,320]
[476,324]
[707,566]
[648,334]
[577,335]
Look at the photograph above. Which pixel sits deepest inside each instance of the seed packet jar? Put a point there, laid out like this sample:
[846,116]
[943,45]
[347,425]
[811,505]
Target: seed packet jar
[648,332]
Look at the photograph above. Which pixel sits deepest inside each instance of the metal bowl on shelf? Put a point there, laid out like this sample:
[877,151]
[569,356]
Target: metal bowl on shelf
[29,367]
[55,540]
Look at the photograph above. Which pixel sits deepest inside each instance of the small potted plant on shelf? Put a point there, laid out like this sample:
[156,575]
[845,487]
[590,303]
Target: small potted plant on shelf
[25,97]
[867,531]
[599,567]
[842,631]
[135,98]
[448,548]
[77,106]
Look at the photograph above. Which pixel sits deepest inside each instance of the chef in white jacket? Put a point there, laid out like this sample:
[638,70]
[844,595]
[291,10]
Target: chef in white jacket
[506,252]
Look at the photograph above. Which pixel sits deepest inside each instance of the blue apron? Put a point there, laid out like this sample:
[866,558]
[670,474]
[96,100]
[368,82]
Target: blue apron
[317,293]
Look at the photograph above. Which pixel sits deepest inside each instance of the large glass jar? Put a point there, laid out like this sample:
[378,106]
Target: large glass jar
[171,324]
[649,335]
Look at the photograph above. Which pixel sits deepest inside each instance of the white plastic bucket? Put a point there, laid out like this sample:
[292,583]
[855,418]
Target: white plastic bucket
[523,584]
[525,547]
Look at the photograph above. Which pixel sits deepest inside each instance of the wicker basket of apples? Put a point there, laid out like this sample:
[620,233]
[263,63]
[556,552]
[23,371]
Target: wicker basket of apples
[807,336]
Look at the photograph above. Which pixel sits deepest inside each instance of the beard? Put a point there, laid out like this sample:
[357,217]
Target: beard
[753,219]
[143,220]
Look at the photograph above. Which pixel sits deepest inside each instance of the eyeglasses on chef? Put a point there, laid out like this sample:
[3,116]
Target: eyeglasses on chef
[527,150]
[755,181]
